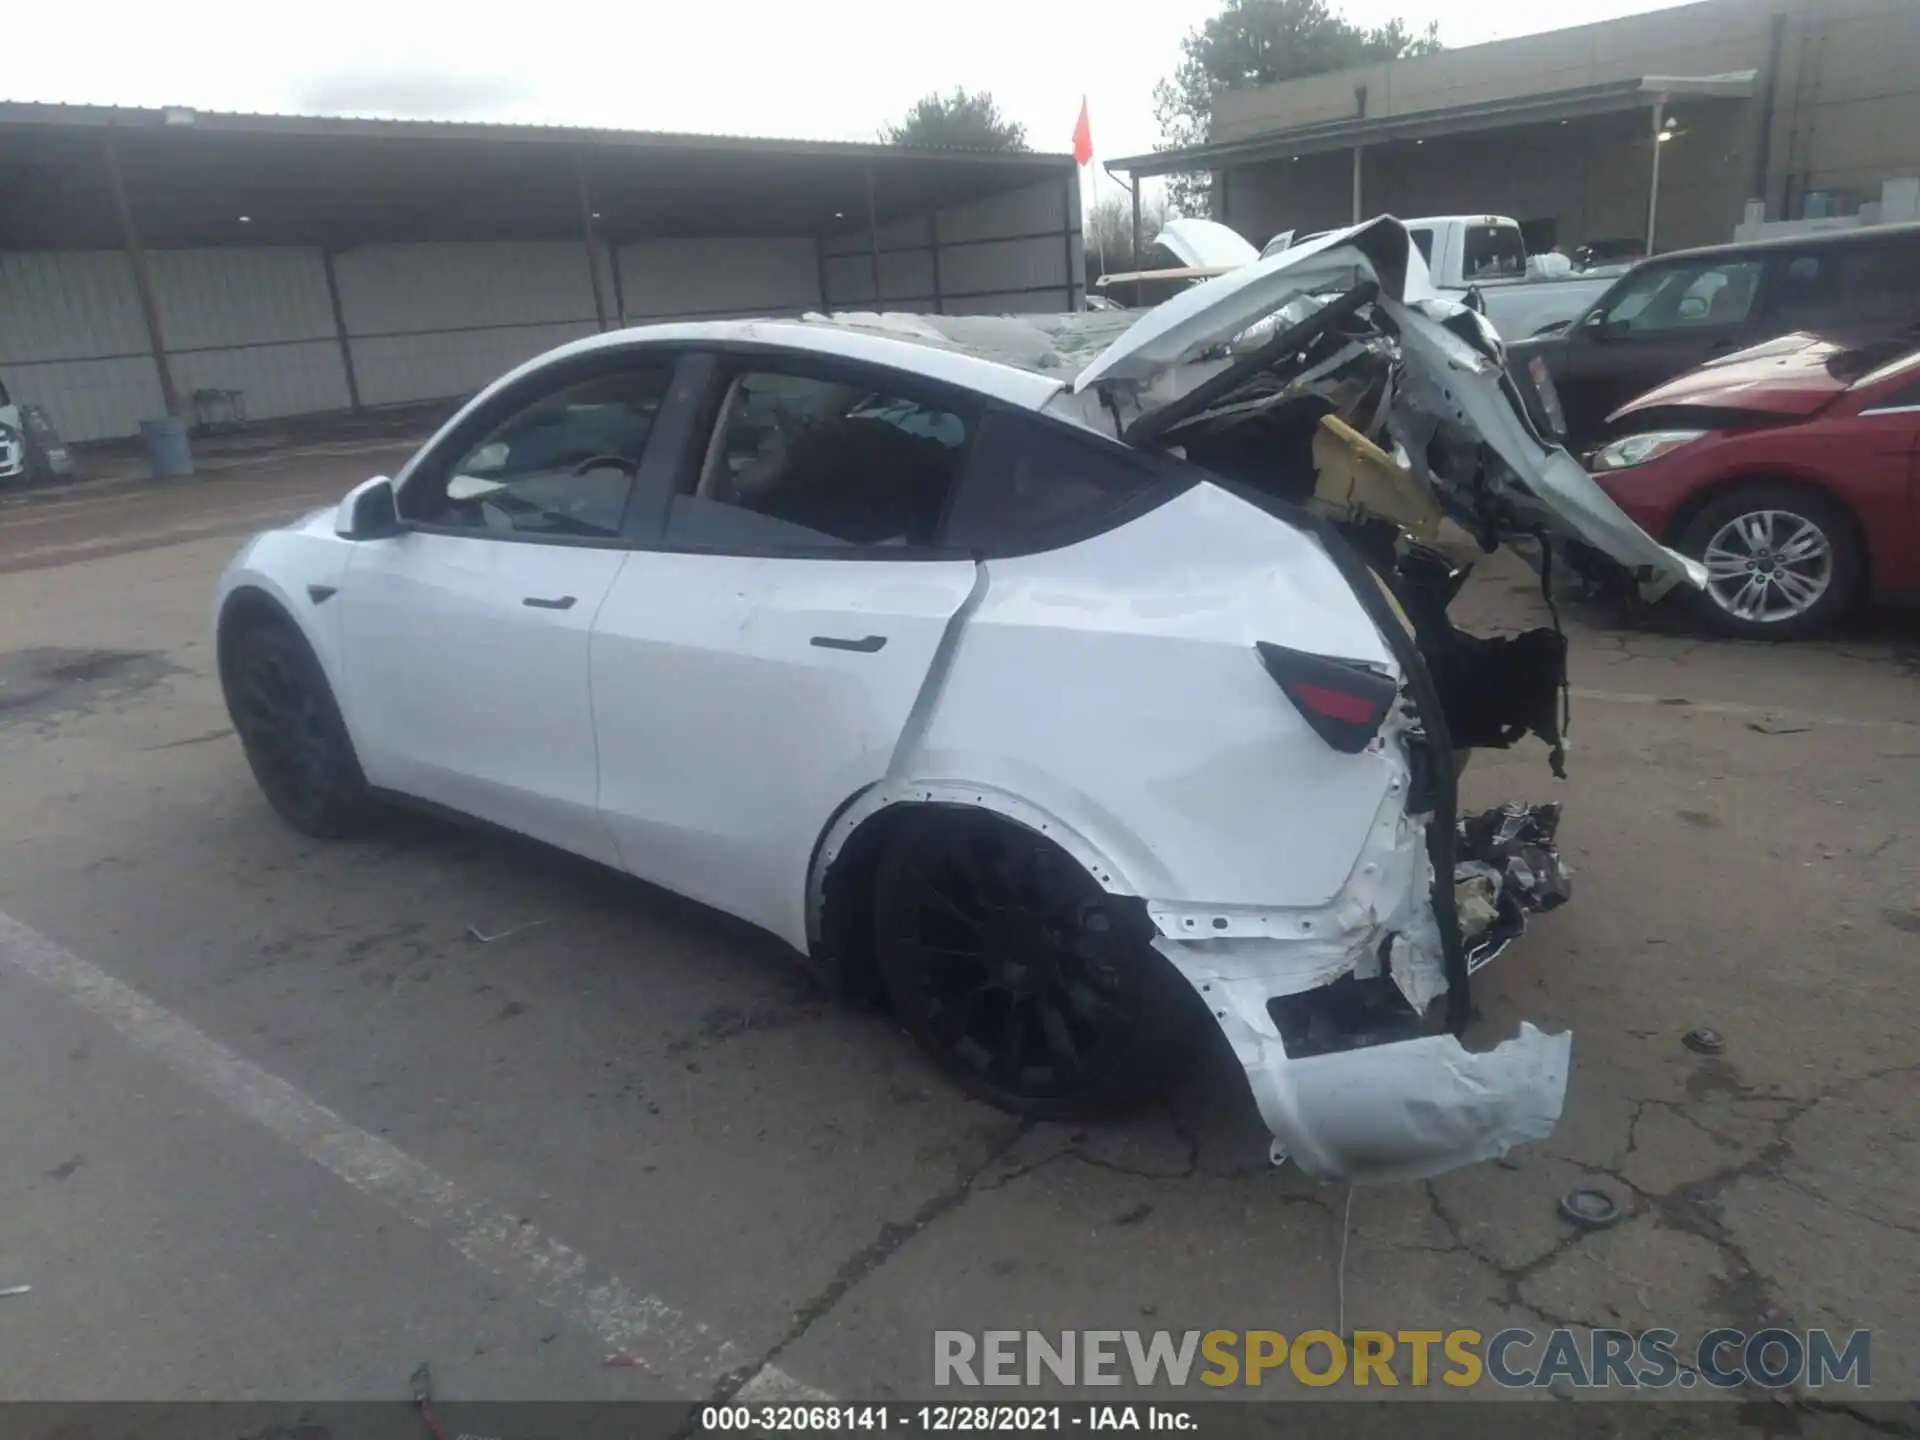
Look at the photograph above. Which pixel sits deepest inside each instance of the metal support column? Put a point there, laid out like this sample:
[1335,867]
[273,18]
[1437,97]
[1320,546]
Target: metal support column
[619,280]
[586,236]
[1138,249]
[1358,212]
[340,329]
[1067,196]
[873,240]
[142,278]
[933,251]
[1653,186]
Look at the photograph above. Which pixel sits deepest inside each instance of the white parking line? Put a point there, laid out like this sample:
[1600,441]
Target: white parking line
[668,1344]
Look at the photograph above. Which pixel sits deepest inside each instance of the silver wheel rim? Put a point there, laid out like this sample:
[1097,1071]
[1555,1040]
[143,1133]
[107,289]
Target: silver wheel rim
[1768,565]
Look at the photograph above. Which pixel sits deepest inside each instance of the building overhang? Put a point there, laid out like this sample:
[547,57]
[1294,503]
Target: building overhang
[1521,110]
[338,181]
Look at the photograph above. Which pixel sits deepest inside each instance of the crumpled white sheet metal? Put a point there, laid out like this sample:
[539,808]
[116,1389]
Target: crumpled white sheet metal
[1411,1110]
[1402,1110]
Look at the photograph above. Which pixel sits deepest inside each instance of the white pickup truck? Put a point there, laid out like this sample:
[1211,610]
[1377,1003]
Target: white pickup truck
[1522,297]
[1486,253]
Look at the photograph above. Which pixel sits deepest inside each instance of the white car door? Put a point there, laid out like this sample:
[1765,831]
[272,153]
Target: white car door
[465,637]
[757,670]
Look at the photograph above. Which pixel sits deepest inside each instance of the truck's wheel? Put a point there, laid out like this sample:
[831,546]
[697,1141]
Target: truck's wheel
[1026,982]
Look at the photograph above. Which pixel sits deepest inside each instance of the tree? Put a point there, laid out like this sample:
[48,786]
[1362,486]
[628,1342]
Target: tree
[1259,42]
[1109,226]
[963,120]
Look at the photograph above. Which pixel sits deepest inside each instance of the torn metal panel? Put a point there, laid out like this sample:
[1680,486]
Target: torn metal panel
[1410,1110]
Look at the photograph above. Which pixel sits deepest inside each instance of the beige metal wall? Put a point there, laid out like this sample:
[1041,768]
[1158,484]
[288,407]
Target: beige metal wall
[1018,252]
[72,337]
[1846,100]
[1848,112]
[433,321]
[1702,39]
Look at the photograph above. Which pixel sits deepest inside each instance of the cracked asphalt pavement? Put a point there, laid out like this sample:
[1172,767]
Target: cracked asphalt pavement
[665,1091]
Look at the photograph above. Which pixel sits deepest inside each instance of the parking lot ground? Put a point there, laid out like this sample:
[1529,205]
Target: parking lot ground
[279,1125]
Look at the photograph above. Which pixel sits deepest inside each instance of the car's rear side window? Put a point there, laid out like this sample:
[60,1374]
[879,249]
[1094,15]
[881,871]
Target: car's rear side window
[1834,282]
[1030,482]
[1494,252]
[799,462]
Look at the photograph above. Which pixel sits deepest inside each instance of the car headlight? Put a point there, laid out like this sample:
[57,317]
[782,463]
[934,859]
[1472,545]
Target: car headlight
[1639,449]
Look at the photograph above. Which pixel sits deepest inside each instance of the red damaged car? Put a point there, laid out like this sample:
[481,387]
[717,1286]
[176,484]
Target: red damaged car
[1791,470]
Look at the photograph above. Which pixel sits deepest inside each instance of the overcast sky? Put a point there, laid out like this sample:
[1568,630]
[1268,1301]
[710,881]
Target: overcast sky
[825,69]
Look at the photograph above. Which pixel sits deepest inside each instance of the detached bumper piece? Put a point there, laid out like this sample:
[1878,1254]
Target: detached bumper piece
[1414,1109]
[1507,868]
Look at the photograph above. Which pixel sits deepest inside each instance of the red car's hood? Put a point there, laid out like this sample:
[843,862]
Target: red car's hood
[1786,376]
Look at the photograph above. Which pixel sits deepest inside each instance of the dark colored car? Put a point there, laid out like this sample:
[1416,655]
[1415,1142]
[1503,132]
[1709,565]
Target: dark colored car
[1791,470]
[1673,312]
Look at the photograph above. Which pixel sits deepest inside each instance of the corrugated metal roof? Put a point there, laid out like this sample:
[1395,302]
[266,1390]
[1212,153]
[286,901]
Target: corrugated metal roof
[344,180]
[64,114]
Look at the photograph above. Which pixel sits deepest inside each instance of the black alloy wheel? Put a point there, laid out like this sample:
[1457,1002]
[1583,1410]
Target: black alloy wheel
[284,713]
[1024,980]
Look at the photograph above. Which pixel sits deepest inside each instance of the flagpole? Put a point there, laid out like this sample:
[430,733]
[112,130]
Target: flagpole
[1089,207]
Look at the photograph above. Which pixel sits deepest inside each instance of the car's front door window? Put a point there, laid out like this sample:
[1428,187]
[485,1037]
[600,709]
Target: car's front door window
[1685,297]
[561,467]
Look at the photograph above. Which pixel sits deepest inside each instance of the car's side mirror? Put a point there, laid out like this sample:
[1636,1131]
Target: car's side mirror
[1601,328]
[369,512]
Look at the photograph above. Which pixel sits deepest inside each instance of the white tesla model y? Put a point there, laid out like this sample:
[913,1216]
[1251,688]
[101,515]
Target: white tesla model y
[1080,682]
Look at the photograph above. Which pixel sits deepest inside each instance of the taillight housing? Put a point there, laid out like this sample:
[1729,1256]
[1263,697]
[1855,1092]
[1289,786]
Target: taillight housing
[1344,701]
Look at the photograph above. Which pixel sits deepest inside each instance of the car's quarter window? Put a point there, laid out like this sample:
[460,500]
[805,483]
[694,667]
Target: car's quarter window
[801,461]
[560,465]
[1685,295]
[1031,482]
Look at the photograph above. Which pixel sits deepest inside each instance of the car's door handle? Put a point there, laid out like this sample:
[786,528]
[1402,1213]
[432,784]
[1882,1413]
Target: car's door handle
[541,602]
[865,646]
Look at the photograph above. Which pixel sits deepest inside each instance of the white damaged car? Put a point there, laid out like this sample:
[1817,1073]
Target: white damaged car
[1082,685]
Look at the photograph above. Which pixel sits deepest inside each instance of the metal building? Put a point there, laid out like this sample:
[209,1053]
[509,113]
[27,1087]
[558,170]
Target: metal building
[1808,105]
[332,264]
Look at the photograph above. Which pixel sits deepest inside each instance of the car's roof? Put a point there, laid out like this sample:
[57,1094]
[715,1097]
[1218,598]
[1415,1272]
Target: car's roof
[1859,235]
[1022,360]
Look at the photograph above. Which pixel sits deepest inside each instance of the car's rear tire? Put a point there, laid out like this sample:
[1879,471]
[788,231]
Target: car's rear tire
[290,728]
[1784,562]
[1024,980]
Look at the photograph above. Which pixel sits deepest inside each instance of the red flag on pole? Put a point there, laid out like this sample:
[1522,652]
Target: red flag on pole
[1083,137]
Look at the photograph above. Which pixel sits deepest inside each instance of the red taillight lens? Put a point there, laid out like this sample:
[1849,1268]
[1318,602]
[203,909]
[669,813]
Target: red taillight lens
[1343,701]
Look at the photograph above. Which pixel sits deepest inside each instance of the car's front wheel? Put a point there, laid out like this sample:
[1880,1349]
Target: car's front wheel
[1782,562]
[295,741]
[1020,976]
